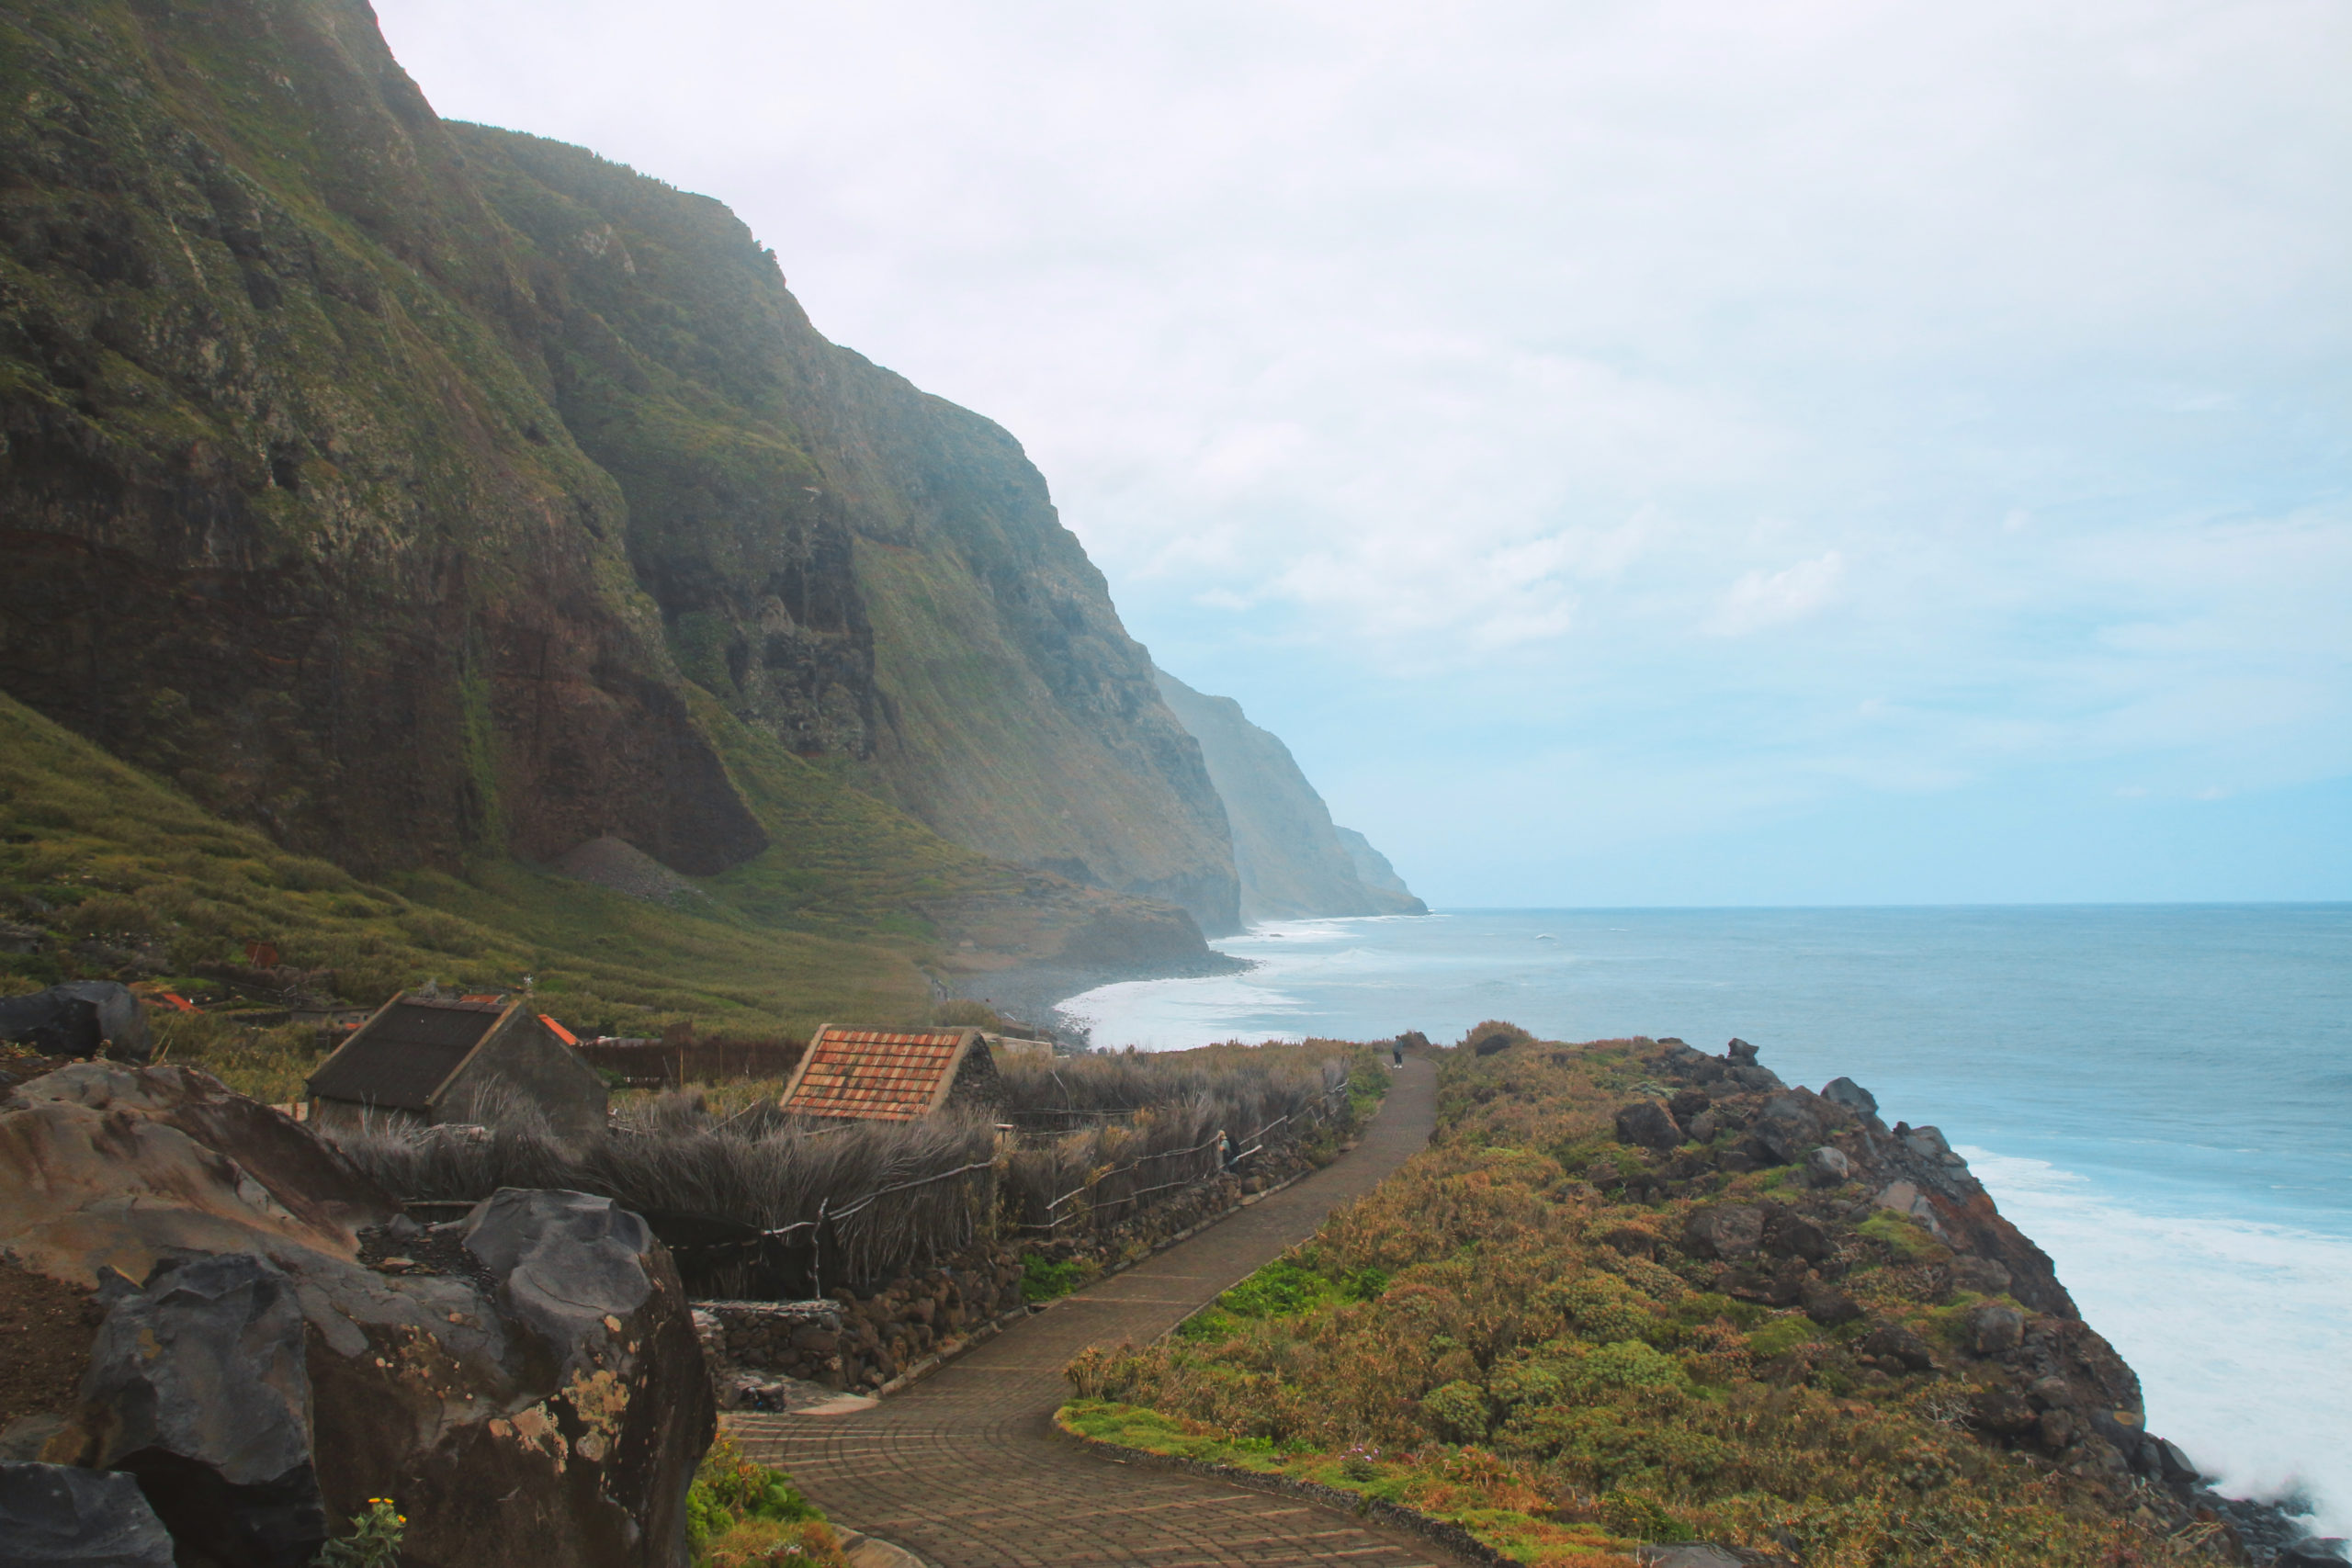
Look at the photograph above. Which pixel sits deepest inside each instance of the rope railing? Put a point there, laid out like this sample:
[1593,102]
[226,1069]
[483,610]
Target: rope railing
[828,1215]
[1100,1177]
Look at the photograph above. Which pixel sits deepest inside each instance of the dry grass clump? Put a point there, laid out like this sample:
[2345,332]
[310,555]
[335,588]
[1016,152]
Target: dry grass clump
[1461,1341]
[715,1167]
[1110,1132]
[753,1172]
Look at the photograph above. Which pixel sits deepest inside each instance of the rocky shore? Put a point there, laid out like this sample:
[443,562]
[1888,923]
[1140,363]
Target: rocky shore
[2047,1385]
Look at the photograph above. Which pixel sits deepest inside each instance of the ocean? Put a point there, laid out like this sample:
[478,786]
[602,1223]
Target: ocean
[2160,1096]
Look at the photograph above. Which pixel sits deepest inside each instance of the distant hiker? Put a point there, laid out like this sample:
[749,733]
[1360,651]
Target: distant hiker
[1399,1046]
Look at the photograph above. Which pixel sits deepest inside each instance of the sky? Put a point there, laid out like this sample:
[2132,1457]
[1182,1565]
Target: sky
[1681,453]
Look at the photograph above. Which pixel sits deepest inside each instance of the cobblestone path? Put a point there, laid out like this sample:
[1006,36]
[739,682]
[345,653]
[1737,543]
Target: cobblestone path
[967,1469]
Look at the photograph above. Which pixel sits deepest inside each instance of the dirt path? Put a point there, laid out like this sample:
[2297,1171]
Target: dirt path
[967,1469]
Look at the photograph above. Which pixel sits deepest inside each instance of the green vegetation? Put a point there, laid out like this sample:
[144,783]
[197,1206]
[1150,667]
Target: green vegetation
[374,1541]
[1465,1341]
[126,876]
[1043,1280]
[740,1513]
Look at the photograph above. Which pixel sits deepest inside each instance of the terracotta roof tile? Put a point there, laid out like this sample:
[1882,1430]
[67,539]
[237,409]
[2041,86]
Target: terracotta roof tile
[873,1073]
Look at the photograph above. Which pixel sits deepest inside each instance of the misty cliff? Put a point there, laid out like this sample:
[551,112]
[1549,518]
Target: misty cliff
[411,490]
[1293,861]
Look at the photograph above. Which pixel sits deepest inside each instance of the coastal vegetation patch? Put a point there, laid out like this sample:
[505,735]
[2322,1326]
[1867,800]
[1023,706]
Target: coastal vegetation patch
[1631,1294]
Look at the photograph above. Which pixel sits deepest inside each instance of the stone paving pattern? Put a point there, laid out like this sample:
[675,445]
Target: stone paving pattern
[967,1470]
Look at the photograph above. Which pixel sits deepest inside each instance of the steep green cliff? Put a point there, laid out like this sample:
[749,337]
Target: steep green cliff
[426,495]
[1293,863]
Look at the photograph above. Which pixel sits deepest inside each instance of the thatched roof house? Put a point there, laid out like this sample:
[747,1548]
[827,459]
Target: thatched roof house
[891,1076]
[436,1060]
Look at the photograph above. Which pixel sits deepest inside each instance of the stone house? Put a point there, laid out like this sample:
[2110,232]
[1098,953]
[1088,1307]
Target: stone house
[892,1075]
[432,1060]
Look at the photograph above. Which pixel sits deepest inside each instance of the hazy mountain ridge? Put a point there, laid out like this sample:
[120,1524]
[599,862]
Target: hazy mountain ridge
[1292,860]
[391,485]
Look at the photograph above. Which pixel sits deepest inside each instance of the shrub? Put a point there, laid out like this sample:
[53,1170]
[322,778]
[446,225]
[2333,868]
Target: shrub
[374,1541]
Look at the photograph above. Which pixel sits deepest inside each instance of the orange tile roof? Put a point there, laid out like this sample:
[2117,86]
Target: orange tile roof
[874,1075]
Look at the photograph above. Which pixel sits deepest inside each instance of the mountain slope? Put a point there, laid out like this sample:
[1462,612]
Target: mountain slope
[1293,863]
[398,488]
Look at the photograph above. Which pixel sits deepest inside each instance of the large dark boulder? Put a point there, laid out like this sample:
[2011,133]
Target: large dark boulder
[565,1262]
[1826,1304]
[555,1417]
[1851,1095]
[82,1018]
[1995,1330]
[1788,1234]
[1647,1124]
[1891,1340]
[198,1386]
[1827,1166]
[1787,1127]
[1725,1231]
[61,1515]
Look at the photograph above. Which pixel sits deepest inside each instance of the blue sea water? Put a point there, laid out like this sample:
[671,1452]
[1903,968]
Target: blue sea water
[2159,1096]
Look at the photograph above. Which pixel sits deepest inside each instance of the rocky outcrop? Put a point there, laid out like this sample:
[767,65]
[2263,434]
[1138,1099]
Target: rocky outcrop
[1293,863]
[392,485]
[61,1515]
[2043,1378]
[282,1345]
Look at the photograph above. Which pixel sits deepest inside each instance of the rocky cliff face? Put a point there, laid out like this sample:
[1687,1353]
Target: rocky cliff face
[1293,863]
[386,482]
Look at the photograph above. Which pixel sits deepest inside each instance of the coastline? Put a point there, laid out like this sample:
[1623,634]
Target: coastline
[1033,994]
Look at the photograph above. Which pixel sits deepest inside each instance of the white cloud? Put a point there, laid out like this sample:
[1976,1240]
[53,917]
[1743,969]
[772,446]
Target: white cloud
[1762,598]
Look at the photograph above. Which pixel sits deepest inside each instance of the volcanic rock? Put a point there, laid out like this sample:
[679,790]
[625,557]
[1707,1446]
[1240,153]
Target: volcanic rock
[1851,1095]
[1648,1124]
[1980,1275]
[2002,1411]
[1786,1128]
[1827,1166]
[82,1018]
[197,1386]
[1788,1234]
[61,1515]
[1688,1103]
[1828,1305]
[1725,1231]
[1739,1053]
[1894,1339]
[1995,1330]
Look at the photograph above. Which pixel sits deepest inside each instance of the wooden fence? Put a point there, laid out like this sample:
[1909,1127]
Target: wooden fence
[652,1063]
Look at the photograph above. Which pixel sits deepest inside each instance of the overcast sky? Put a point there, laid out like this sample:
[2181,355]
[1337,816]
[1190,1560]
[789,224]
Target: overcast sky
[1681,453]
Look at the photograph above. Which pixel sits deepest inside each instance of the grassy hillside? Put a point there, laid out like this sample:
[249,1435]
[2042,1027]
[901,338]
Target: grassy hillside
[109,872]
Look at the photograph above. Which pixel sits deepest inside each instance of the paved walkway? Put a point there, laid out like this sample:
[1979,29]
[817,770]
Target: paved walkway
[967,1469]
